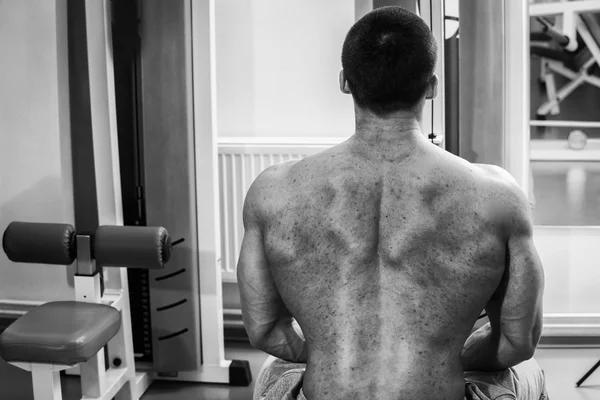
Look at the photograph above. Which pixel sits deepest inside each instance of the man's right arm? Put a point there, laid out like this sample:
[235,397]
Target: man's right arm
[515,310]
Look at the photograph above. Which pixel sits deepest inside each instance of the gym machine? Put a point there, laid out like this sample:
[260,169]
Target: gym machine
[92,333]
[150,174]
[572,52]
[167,151]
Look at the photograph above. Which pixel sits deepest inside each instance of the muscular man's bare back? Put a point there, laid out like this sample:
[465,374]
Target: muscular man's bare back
[385,259]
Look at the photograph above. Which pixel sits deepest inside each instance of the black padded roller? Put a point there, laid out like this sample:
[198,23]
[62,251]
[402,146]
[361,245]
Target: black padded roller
[132,247]
[40,243]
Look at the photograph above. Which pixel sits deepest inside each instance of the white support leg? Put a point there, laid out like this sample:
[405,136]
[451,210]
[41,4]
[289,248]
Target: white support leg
[143,380]
[543,69]
[593,80]
[45,379]
[93,376]
[570,29]
[205,131]
[120,349]
[562,70]
[589,40]
[46,383]
[561,94]
[551,93]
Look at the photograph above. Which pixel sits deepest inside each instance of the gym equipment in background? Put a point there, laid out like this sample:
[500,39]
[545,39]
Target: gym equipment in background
[167,166]
[577,59]
[572,52]
[588,373]
[94,331]
[451,111]
[177,323]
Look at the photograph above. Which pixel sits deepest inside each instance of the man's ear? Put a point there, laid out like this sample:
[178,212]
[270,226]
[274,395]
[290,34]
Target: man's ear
[344,87]
[432,88]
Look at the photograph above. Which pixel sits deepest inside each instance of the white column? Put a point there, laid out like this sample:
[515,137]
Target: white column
[516,92]
[205,131]
[108,183]
[438,27]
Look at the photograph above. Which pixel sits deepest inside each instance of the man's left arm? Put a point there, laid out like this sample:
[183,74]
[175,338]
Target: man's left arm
[267,320]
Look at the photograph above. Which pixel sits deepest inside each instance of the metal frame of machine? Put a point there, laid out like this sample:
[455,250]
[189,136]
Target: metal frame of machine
[207,363]
[572,26]
[97,186]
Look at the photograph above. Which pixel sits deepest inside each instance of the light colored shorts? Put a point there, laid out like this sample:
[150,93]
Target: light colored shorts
[282,380]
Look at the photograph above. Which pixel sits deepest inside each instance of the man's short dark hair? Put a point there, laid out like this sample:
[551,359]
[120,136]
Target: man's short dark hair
[388,58]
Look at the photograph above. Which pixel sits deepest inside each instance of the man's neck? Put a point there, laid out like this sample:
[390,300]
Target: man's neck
[395,135]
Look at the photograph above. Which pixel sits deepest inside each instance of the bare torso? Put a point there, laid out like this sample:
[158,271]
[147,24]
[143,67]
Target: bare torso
[386,264]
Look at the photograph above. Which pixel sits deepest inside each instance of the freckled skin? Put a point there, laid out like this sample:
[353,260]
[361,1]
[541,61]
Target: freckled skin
[386,264]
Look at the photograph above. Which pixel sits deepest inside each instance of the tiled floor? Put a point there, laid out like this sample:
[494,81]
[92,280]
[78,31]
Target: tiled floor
[563,367]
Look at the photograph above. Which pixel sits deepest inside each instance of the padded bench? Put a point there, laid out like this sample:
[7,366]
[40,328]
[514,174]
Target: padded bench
[56,336]
[60,335]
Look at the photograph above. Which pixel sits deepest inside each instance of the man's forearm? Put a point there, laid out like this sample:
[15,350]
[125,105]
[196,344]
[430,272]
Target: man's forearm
[485,351]
[285,342]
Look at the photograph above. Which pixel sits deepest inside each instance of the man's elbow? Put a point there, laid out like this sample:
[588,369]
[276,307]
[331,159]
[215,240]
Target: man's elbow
[524,352]
[533,339]
[257,342]
[523,348]
[258,337]
[510,353]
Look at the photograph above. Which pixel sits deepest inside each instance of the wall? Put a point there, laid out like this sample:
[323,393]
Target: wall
[278,66]
[34,137]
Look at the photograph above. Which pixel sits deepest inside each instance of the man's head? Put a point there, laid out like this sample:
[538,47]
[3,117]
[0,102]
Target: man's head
[388,62]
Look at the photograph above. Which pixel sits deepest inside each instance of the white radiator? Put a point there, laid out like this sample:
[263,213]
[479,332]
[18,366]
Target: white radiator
[241,160]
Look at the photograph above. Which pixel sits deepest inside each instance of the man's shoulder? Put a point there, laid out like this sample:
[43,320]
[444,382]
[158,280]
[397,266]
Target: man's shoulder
[497,172]
[499,180]
[506,195]
[272,178]
[266,188]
